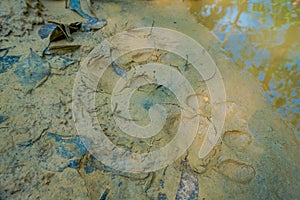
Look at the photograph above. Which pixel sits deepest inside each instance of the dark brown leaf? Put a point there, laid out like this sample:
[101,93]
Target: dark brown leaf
[61,49]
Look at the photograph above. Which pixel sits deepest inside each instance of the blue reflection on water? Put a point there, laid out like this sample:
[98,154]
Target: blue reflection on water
[263,38]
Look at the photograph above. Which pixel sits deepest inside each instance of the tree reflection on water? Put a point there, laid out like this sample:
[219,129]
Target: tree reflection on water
[270,32]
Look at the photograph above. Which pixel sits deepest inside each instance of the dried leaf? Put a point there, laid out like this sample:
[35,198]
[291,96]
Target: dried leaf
[61,31]
[61,49]
[57,31]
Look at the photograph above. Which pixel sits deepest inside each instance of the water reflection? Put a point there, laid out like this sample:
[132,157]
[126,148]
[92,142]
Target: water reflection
[263,38]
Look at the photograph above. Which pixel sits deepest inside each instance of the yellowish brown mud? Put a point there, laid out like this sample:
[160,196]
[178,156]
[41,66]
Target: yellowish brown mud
[258,157]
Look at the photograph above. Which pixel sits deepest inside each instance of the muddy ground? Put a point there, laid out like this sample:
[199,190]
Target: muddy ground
[42,156]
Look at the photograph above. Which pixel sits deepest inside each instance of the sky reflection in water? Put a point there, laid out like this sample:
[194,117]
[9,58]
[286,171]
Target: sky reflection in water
[263,38]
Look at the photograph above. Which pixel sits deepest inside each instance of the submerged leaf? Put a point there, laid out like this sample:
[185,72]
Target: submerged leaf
[93,24]
[61,62]
[32,70]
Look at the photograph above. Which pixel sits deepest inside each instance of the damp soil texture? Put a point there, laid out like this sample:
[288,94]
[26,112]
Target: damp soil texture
[43,45]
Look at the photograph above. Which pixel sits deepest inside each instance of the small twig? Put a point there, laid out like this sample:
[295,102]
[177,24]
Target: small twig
[105,194]
[211,77]
[41,82]
[149,183]
[187,61]
[116,113]
[32,141]
[153,22]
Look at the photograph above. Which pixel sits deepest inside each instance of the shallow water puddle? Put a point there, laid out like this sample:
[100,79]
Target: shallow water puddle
[262,37]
